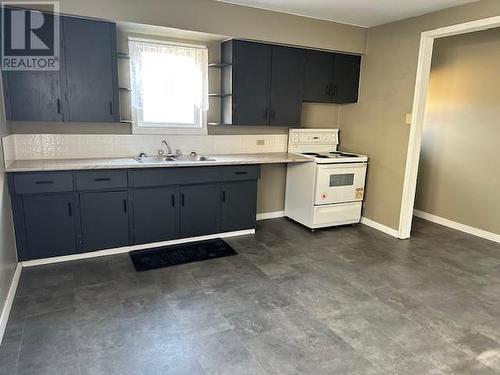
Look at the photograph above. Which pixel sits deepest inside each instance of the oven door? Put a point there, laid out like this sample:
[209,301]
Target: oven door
[340,183]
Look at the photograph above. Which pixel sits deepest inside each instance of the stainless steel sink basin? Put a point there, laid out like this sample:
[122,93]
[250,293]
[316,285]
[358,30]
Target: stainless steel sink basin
[168,159]
[154,159]
[192,158]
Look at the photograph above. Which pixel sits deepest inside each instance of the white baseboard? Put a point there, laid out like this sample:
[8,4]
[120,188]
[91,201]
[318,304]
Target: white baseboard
[270,215]
[458,226]
[9,301]
[380,227]
[126,249]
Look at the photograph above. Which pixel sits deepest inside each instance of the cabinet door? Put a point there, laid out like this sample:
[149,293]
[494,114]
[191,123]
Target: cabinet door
[318,76]
[90,57]
[104,219]
[238,210]
[50,225]
[287,77]
[200,209]
[346,78]
[251,69]
[155,213]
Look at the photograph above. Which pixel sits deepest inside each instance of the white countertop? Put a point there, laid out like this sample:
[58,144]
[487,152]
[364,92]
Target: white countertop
[227,159]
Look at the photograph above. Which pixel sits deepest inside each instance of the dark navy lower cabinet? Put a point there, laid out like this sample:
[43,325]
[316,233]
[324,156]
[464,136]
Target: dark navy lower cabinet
[200,209]
[63,213]
[239,206]
[155,214]
[50,225]
[104,220]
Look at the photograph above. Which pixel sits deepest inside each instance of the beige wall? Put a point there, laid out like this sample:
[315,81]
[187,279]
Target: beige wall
[459,175]
[8,258]
[375,125]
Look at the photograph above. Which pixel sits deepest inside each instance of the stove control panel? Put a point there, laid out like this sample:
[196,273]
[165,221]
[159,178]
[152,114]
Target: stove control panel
[303,140]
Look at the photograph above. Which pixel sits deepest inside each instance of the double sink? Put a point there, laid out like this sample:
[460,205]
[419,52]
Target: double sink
[160,159]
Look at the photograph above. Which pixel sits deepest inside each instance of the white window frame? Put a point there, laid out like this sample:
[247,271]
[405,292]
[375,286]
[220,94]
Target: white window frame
[167,128]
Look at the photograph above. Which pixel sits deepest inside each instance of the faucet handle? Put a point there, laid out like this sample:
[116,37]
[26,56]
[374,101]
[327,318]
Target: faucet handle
[193,153]
[160,152]
[178,151]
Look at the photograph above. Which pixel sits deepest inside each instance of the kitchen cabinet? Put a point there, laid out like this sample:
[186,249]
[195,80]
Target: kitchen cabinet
[238,209]
[104,219]
[331,77]
[318,78]
[200,209]
[89,49]
[84,89]
[155,214]
[251,83]
[65,212]
[50,225]
[287,70]
[346,78]
[263,84]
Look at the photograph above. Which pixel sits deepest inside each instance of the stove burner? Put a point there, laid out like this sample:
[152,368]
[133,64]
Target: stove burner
[343,154]
[323,156]
[310,153]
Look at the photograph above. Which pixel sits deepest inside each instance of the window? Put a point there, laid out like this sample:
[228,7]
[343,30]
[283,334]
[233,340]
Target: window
[169,87]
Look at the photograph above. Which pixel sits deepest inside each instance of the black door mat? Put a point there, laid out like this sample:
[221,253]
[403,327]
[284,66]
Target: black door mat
[173,255]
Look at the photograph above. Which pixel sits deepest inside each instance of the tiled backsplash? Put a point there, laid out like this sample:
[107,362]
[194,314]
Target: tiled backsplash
[76,146]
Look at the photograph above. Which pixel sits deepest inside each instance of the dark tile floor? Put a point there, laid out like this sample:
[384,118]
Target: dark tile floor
[338,301]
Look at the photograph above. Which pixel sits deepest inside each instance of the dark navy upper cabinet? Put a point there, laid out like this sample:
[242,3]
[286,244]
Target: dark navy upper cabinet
[287,72]
[263,83]
[104,219]
[50,225]
[155,214]
[199,211]
[331,77]
[251,83]
[84,89]
[318,81]
[346,78]
[238,209]
[90,57]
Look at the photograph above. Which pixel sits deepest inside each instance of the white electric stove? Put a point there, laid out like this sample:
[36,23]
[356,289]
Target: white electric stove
[330,190]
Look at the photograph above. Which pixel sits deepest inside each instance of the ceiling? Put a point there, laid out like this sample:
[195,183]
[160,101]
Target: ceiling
[364,13]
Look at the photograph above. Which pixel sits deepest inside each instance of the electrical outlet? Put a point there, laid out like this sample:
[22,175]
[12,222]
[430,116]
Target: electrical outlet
[260,142]
[408,118]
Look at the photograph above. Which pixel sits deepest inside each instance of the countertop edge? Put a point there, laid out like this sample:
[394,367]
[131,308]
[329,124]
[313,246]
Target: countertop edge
[47,165]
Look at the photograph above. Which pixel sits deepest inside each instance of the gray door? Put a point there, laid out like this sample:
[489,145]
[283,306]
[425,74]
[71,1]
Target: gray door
[346,78]
[287,77]
[90,55]
[50,225]
[200,209]
[104,219]
[238,210]
[155,214]
[33,96]
[318,79]
[252,68]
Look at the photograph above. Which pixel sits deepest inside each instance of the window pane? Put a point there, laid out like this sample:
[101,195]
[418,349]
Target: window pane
[169,86]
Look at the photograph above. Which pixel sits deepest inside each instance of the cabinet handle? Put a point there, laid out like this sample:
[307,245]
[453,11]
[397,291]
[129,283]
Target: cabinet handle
[102,179]
[241,172]
[46,182]
[223,197]
[70,209]
[334,90]
[265,114]
[124,205]
[58,105]
[110,107]
[173,200]
[182,200]
[328,90]
[272,114]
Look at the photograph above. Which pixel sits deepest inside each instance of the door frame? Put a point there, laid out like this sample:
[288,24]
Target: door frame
[419,101]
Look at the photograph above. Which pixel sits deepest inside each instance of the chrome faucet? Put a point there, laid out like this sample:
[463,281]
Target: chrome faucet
[164,142]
